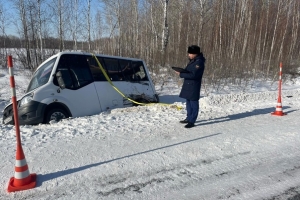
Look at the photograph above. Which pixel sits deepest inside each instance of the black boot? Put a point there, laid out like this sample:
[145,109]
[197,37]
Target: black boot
[185,121]
[189,125]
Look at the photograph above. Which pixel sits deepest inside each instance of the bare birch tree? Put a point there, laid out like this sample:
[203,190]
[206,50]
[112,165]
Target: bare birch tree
[286,9]
[136,28]
[74,27]
[3,24]
[22,10]
[59,9]
[165,28]
[240,38]
[99,32]
[295,28]
[88,19]
[40,25]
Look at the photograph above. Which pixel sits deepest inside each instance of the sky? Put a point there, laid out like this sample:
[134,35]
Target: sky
[237,150]
[12,18]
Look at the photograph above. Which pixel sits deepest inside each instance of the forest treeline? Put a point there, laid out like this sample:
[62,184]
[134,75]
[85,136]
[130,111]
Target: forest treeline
[241,39]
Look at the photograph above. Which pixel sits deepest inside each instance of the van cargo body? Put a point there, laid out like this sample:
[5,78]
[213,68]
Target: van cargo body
[72,84]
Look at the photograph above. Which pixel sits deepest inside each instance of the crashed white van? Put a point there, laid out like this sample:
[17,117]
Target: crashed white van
[71,84]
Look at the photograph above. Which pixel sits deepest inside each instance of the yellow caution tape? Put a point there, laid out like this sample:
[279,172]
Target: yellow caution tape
[115,88]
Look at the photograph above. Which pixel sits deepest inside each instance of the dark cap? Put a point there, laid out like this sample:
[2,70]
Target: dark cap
[194,49]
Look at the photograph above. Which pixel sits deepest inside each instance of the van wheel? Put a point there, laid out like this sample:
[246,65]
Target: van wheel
[56,114]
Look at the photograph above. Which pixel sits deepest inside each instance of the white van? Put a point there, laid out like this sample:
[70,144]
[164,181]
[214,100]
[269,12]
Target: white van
[71,84]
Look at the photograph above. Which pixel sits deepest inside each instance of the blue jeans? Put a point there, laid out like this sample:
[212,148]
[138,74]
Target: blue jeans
[192,108]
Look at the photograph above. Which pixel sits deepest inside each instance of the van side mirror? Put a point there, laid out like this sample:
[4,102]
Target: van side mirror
[60,80]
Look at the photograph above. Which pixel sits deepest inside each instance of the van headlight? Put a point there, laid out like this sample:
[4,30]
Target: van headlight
[26,99]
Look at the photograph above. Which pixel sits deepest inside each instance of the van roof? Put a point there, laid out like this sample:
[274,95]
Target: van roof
[86,53]
[102,55]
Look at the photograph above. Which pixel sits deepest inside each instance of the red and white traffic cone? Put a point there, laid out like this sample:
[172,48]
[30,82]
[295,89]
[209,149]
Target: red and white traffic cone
[22,179]
[278,111]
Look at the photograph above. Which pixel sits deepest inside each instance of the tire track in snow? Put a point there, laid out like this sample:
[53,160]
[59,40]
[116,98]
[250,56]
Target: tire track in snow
[205,172]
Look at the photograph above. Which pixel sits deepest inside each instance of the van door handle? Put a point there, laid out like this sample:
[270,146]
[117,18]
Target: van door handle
[145,84]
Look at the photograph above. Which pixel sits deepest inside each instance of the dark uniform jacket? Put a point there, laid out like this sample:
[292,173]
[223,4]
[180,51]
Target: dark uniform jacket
[192,81]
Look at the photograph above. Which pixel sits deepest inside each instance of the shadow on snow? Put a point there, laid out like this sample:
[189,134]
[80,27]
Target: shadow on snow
[46,177]
[241,115]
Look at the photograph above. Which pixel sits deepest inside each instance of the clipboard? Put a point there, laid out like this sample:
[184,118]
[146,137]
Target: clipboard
[179,69]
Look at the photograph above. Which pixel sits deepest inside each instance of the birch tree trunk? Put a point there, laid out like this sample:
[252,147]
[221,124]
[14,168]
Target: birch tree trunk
[154,34]
[259,51]
[74,27]
[61,25]
[220,30]
[280,56]
[202,14]
[3,23]
[248,25]
[33,35]
[23,14]
[136,35]
[295,28]
[273,38]
[40,31]
[89,24]
[99,30]
[179,28]
[266,31]
[187,42]
[165,33]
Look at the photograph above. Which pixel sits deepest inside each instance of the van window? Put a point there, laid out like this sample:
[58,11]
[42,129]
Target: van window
[75,71]
[113,69]
[95,69]
[125,66]
[139,73]
[117,69]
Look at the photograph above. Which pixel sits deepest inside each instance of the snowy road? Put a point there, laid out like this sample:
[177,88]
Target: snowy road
[236,151]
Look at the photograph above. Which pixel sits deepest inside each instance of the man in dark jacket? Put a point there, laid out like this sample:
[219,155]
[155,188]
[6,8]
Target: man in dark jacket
[192,84]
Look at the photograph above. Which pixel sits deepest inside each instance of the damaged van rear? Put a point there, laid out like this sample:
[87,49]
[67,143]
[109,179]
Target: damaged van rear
[75,84]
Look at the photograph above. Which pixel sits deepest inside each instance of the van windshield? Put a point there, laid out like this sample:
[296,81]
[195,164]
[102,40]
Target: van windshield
[41,76]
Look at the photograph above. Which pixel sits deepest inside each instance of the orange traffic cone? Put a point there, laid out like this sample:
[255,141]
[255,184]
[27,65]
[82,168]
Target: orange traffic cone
[22,179]
[278,110]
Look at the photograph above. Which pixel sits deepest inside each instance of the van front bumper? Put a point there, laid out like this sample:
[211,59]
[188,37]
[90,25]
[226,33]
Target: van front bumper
[30,114]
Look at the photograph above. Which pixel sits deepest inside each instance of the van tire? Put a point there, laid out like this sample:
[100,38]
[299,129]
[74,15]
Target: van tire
[56,114]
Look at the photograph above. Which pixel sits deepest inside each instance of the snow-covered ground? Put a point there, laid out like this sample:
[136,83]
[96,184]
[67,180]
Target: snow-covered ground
[237,150]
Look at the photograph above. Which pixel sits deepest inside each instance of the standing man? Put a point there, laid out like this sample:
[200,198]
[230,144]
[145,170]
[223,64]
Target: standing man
[192,84]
